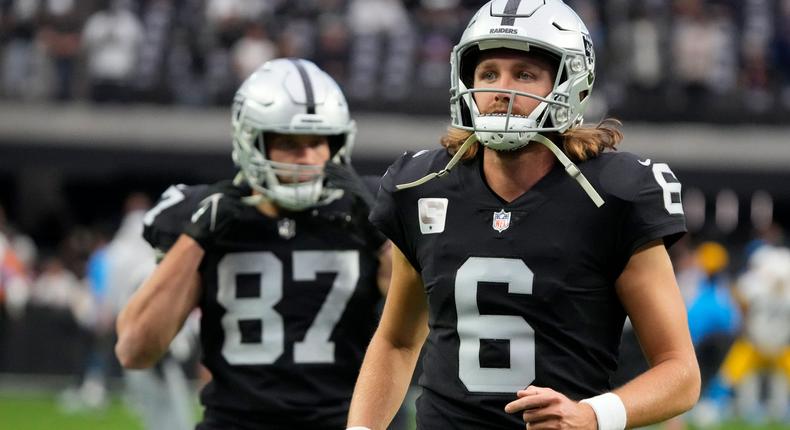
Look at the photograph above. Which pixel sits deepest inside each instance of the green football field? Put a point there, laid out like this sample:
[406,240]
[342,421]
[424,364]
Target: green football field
[41,412]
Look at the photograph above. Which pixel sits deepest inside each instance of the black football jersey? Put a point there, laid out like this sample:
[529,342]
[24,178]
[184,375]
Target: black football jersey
[521,293]
[288,307]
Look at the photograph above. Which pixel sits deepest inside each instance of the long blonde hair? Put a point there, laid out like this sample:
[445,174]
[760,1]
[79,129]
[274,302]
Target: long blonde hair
[579,143]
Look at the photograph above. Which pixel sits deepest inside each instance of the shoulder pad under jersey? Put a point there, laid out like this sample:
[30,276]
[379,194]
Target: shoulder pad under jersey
[624,175]
[164,222]
[413,165]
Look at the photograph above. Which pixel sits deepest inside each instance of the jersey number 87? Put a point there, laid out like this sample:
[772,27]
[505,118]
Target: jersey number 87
[315,347]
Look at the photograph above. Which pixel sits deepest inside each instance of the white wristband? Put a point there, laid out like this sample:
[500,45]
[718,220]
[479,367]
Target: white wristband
[358,428]
[609,411]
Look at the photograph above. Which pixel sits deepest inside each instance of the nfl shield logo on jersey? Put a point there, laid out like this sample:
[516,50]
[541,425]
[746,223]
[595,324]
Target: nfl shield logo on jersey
[287,228]
[501,221]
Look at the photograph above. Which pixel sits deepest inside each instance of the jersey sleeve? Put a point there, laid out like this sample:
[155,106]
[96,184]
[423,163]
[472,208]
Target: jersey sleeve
[652,197]
[374,237]
[386,214]
[164,222]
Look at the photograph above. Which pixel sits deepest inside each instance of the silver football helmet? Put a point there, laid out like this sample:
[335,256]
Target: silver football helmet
[546,26]
[290,96]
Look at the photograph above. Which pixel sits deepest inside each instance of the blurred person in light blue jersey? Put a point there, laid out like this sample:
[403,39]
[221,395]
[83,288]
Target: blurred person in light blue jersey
[161,395]
[92,392]
[712,310]
[714,321]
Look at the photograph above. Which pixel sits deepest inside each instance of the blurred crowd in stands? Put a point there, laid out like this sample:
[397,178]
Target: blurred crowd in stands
[673,60]
[78,285]
[57,316]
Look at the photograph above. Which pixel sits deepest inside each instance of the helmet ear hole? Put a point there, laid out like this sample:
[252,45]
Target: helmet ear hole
[468,64]
[548,123]
[237,107]
[260,142]
[466,114]
[336,143]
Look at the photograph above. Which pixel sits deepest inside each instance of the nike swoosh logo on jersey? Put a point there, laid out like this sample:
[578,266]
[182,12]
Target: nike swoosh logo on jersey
[644,163]
[419,153]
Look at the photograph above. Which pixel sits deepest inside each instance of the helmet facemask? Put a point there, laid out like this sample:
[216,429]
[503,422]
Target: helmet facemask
[549,30]
[291,186]
[511,130]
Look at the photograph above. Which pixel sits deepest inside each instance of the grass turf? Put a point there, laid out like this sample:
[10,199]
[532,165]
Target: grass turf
[40,412]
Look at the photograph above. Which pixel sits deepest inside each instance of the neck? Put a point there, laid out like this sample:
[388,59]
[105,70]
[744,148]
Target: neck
[267,208]
[512,173]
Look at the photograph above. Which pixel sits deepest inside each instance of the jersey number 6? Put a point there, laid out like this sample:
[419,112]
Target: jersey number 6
[315,347]
[474,327]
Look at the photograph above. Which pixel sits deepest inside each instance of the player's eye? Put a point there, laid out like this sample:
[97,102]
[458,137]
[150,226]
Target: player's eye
[317,141]
[487,75]
[525,75]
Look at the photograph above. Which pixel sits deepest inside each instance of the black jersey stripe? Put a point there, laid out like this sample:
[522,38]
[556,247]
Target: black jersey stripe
[308,86]
[511,8]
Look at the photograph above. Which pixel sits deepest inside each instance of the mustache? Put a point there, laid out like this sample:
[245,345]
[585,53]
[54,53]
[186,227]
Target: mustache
[499,107]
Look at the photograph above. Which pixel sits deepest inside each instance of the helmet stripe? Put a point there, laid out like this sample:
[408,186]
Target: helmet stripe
[308,86]
[511,9]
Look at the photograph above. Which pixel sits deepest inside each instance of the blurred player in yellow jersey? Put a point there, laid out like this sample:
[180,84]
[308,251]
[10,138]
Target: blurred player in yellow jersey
[764,346]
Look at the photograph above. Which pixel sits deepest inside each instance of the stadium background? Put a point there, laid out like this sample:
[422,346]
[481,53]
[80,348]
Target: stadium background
[100,99]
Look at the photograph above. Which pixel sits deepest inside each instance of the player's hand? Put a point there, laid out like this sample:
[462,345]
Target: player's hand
[345,178]
[216,213]
[543,408]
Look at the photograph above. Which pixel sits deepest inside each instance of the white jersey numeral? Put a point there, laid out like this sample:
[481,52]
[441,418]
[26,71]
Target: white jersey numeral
[170,197]
[315,347]
[670,188]
[474,327]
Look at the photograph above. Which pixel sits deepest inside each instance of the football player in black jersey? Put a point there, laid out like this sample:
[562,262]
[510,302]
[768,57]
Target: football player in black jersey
[513,277]
[282,262]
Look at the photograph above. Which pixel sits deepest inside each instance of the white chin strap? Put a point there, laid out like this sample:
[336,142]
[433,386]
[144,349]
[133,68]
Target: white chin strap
[450,164]
[566,162]
[570,168]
